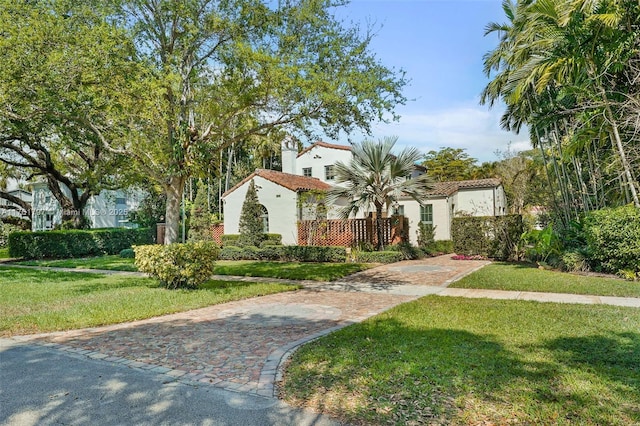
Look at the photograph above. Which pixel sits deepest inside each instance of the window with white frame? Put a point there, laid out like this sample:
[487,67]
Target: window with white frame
[306,171]
[398,210]
[426,214]
[329,172]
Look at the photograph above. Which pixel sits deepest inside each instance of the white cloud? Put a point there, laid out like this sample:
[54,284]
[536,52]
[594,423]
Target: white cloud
[472,127]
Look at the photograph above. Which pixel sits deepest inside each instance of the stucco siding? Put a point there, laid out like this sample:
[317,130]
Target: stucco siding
[319,157]
[280,202]
[440,218]
[475,202]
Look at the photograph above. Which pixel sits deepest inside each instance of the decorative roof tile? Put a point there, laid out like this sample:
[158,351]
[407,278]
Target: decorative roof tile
[446,189]
[294,183]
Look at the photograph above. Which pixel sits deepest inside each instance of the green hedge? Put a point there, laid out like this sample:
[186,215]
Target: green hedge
[178,265]
[488,236]
[379,256]
[232,239]
[613,239]
[75,243]
[438,247]
[285,253]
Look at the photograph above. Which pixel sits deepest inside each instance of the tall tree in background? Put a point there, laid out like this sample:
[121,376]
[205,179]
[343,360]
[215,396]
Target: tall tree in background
[376,177]
[224,71]
[565,69]
[449,164]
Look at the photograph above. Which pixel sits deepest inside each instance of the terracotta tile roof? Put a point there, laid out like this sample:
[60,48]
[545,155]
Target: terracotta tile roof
[325,145]
[446,189]
[292,182]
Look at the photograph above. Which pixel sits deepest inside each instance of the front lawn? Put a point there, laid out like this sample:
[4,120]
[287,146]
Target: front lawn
[109,263]
[522,277]
[244,268]
[289,270]
[445,360]
[33,301]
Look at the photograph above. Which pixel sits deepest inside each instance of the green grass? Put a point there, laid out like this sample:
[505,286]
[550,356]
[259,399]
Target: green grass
[521,277]
[443,360]
[110,263]
[4,253]
[289,270]
[244,268]
[33,301]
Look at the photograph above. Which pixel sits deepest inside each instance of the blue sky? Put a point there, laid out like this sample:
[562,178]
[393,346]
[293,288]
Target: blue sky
[440,44]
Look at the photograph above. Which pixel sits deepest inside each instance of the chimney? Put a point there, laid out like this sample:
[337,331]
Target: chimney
[289,155]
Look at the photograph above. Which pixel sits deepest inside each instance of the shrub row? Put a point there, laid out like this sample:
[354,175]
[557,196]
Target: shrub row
[75,243]
[270,239]
[488,236]
[378,256]
[285,253]
[178,265]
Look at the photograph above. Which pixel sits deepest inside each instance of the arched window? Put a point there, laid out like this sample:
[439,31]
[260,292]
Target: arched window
[265,219]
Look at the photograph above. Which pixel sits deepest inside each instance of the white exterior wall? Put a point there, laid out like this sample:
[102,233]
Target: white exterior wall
[319,157]
[475,202]
[441,218]
[101,210]
[280,202]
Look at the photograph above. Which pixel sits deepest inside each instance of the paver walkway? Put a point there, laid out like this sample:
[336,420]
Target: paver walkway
[240,345]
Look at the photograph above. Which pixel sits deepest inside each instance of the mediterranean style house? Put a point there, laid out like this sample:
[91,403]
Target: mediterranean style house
[109,209]
[282,195]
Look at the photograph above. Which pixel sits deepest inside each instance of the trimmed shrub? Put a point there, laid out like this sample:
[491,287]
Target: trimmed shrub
[438,247]
[5,230]
[231,253]
[408,251]
[75,243]
[271,252]
[178,265]
[127,253]
[488,236]
[232,240]
[315,253]
[613,238]
[379,256]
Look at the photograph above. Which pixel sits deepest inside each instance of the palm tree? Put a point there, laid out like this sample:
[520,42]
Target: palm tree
[376,177]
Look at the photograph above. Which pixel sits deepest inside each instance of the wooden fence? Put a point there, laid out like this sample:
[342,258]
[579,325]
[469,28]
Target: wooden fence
[351,232]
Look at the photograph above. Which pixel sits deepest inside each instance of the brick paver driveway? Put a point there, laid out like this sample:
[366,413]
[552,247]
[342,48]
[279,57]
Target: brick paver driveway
[239,345]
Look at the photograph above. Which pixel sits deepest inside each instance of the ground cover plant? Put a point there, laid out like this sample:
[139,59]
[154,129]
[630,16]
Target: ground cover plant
[4,253]
[524,277]
[289,270]
[34,301]
[442,360]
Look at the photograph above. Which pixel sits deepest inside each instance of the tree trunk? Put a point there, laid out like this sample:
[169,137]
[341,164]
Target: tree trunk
[174,190]
[379,243]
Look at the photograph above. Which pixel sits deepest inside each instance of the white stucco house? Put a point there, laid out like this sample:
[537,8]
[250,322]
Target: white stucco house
[7,208]
[312,169]
[109,209]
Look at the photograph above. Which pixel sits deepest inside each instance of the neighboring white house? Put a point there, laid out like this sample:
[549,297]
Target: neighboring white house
[109,209]
[312,169]
[7,208]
